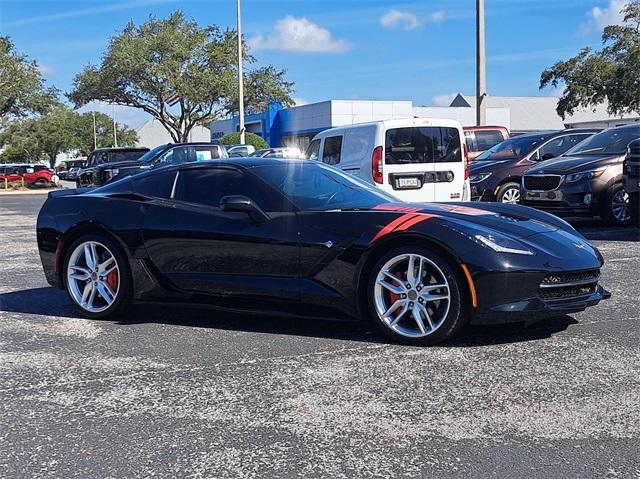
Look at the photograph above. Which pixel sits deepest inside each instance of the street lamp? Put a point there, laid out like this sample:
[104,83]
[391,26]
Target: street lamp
[481,79]
[240,80]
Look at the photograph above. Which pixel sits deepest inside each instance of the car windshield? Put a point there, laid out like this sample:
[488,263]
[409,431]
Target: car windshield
[516,147]
[315,186]
[151,154]
[614,141]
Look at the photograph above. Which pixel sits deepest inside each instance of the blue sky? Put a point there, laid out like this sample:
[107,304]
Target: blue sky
[342,49]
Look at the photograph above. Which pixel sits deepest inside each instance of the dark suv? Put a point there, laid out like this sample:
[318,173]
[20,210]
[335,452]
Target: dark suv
[586,180]
[103,156]
[631,177]
[161,155]
[495,175]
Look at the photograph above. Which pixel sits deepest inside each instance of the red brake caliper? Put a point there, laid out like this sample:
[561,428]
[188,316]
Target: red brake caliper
[393,296]
[112,279]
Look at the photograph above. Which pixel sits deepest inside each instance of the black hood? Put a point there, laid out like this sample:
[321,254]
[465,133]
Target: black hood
[575,164]
[480,166]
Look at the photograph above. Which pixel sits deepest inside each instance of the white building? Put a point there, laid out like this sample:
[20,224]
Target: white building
[152,134]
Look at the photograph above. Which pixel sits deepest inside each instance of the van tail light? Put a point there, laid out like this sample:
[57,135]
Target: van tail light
[376,165]
[466,161]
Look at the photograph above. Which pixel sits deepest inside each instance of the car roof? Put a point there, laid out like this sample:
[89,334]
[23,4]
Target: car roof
[123,148]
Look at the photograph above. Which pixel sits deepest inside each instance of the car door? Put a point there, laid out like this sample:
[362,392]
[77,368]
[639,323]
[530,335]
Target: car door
[199,248]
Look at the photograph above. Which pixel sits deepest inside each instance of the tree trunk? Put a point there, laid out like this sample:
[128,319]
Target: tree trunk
[52,160]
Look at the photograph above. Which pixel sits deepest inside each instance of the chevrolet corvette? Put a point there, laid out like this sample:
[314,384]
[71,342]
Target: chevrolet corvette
[296,237]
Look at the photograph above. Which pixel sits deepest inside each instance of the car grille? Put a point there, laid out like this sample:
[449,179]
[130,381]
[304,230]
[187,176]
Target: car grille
[569,285]
[542,183]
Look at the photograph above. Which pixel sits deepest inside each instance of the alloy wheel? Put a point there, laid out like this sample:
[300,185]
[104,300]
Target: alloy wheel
[412,295]
[620,206]
[93,277]
[512,196]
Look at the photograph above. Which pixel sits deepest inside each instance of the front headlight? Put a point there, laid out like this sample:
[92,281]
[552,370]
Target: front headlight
[587,174]
[478,178]
[110,173]
[502,244]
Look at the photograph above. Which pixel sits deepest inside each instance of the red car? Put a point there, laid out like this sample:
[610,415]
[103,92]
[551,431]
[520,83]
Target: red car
[481,138]
[33,175]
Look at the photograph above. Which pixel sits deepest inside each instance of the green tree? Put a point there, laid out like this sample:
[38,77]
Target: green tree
[22,88]
[83,131]
[610,75]
[146,65]
[249,139]
[45,136]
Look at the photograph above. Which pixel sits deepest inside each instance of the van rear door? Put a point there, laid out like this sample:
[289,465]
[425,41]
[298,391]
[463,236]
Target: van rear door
[424,163]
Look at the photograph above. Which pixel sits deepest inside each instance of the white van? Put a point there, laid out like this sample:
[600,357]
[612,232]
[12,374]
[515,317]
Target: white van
[416,159]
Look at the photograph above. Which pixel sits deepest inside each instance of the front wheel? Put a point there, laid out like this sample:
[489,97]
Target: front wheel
[616,208]
[415,297]
[509,193]
[98,277]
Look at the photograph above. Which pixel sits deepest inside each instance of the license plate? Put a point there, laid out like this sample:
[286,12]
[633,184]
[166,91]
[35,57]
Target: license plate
[405,183]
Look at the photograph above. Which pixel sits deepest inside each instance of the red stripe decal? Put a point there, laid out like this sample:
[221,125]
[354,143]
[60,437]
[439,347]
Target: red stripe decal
[393,225]
[415,221]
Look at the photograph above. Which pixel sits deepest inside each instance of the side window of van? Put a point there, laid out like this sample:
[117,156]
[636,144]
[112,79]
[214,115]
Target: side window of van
[331,150]
[313,151]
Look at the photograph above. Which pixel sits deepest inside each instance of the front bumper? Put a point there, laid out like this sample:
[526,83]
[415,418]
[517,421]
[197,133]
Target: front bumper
[582,198]
[535,309]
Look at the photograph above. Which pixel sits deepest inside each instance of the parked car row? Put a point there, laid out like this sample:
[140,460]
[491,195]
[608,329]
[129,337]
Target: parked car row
[577,172]
[32,175]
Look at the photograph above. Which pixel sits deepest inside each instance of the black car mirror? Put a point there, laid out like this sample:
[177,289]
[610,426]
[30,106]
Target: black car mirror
[548,156]
[244,205]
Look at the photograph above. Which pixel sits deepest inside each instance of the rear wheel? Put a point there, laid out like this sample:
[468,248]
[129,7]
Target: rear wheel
[41,183]
[509,193]
[415,298]
[98,277]
[616,208]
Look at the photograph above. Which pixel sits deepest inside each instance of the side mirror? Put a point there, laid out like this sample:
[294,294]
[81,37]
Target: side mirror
[244,205]
[548,156]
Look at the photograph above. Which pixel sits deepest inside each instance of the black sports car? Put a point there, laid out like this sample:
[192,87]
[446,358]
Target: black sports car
[300,237]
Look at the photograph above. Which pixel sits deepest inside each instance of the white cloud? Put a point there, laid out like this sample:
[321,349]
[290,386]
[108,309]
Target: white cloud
[46,70]
[443,100]
[396,18]
[125,115]
[293,34]
[437,16]
[602,17]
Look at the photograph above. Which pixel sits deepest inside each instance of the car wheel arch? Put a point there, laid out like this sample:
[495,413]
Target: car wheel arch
[81,229]
[399,240]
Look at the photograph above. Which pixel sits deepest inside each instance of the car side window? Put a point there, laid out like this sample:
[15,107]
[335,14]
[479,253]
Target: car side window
[157,185]
[331,150]
[313,151]
[486,139]
[470,140]
[204,153]
[207,186]
[179,154]
[558,146]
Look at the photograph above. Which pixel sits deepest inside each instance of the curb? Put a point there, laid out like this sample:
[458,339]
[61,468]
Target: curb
[26,192]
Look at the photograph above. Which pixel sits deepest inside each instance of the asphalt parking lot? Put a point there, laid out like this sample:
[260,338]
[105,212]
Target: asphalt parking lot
[171,392]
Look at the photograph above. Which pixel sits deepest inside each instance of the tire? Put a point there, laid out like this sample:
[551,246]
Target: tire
[446,317]
[508,191]
[121,286]
[612,215]
[41,183]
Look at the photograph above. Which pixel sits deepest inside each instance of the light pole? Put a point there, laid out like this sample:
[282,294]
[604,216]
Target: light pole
[481,78]
[95,137]
[115,129]
[240,80]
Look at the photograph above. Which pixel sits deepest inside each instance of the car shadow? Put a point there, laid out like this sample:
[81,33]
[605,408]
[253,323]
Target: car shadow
[53,302]
[594,230]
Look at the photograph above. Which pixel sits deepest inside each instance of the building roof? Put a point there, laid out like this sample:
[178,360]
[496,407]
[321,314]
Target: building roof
[527,113]
[532,113]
